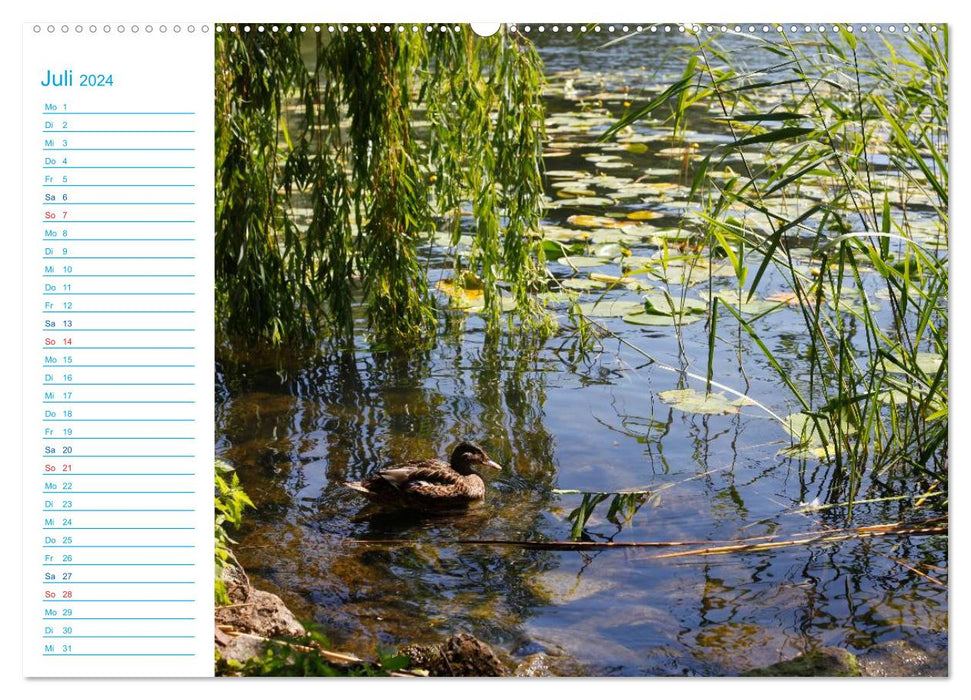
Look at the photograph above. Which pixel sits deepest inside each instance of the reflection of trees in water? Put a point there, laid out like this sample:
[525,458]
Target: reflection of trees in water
[762,608]
[344,414]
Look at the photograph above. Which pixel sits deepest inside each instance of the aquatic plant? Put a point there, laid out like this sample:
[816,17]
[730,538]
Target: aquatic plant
[837,181]
[395,134]
[230,501]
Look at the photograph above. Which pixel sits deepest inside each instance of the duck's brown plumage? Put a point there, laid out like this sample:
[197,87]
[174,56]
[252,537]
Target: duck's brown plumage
[430,483]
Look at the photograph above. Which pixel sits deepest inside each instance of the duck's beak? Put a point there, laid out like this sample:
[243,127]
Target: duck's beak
[493,465]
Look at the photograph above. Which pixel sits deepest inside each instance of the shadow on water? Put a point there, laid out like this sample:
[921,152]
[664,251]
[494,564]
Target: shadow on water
[297,431]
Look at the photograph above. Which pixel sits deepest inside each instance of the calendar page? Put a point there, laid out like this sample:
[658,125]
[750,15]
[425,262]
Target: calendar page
[520,349]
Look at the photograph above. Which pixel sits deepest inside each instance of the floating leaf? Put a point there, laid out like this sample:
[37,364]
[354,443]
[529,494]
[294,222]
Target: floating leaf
[564,235]
[613,235]
[631,283]
[589,221]
[582,284]
[744,401]
[644,215]
[928,362]
[610,251]
[585,202]
[787,298]
[691,401]
[615,164]
[573,191]
[637,262]
[582,261]
[557,297]
[811,434]
[460,297]
[506,303]
[570,174]
[610,308]
[667,305]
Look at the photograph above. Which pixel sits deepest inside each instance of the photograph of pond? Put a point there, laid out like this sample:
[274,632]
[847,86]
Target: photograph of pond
[582,350]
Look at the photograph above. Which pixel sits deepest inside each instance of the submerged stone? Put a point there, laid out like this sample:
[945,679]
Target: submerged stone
[461,655]
[827,661]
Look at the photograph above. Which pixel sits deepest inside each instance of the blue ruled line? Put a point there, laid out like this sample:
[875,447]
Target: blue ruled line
[119,204]
[119,294]
[126,240]
[126,564]
[119,167]
[124,221]
[135,583]
[117,131]
[119,528]
[118,149]
[134,114]
[119,257]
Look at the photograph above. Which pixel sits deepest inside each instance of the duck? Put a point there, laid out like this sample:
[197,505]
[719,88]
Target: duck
[430,484]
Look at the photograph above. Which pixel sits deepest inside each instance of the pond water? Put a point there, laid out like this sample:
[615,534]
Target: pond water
[560,422]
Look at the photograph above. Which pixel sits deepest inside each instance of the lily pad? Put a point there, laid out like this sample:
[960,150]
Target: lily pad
[461,297]
[811,435]
[506,303]
[589,221]
[564,235]
[928,362]
[557,297]
[660,303]
[691,401]
[678,274]
[573,191]
[638,262]
[644,215]
[585,202]
[578,261]
[581,284]
[739,301]
[610,251]
[613,235]
[631,283]
[570,174]
[615,164]
[610,308]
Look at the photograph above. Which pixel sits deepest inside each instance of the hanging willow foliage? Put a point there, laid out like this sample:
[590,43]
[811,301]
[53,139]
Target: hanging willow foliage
[391,135]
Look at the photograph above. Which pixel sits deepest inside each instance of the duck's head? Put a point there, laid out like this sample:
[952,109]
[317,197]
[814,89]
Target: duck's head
[467,456]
